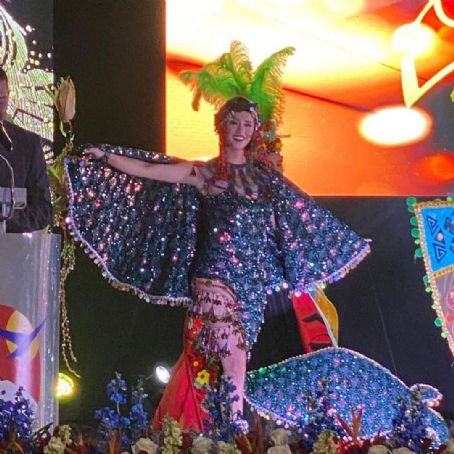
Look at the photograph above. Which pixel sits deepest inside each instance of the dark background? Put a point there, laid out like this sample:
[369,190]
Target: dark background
[115,52]
[39,15]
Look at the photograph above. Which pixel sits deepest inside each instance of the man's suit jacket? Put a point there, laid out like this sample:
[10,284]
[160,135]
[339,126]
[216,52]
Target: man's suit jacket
[27,161]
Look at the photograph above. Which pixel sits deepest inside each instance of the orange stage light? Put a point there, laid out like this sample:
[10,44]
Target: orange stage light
[396,125]
[344,66]
[342,7]
[413,39]
[438,167]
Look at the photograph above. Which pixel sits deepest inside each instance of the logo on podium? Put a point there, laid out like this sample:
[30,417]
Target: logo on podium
[20,364]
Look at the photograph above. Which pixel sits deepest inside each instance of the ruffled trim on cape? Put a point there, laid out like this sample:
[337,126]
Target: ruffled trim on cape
[317,248]
[340,273]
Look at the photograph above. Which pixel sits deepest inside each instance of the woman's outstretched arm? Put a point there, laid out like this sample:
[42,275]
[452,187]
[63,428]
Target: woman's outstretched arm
[180,172]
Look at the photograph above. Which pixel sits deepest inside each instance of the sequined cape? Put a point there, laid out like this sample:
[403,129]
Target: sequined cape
[142,233]
[146,235]
[343,381]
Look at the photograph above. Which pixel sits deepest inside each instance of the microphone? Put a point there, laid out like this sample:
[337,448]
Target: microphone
[5,139]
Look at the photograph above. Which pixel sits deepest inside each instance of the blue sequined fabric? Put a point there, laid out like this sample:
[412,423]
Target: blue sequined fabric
[351,380]
[276,237]
[239,248]
[316,247]
[152,237]
[142,233]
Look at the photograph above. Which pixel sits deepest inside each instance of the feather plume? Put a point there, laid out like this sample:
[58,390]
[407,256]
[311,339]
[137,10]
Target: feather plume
[266,86]
[231,75]
[212,83]
[241,65]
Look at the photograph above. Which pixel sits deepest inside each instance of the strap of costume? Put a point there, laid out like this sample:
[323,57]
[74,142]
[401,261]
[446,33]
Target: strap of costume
[142,233]
[316,247]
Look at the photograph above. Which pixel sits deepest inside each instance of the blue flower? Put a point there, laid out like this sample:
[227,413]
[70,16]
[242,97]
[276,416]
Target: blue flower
[111,419]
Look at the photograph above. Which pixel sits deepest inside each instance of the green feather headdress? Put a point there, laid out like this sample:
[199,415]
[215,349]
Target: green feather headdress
[232,75]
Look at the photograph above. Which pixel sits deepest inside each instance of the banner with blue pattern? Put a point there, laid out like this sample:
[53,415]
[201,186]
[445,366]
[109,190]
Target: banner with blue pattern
[436,228]
[438,223]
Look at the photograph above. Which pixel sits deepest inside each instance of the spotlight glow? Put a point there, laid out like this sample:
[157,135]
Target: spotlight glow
[344,8]
[65,386]
[195,7]
[396,125]
[438,167]
[413,39]
[162,374]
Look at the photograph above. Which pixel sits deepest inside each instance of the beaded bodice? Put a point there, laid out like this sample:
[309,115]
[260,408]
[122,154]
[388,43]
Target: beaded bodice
[238,226]
[238,245]
[244,180]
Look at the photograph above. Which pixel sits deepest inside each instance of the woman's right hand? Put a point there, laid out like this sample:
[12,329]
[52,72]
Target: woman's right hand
[94,152]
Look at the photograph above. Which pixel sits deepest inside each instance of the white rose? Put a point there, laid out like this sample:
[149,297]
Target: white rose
[145,444]
[378,449]
[279,450]
[402,451]
[201,445]
[279,437]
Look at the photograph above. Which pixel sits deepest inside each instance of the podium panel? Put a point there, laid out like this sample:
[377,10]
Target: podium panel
[29,320]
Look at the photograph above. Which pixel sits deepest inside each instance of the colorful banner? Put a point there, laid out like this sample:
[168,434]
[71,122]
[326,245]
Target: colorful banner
[436,227]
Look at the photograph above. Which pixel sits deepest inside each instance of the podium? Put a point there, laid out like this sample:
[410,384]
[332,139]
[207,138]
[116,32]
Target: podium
[9,197]
[29,320]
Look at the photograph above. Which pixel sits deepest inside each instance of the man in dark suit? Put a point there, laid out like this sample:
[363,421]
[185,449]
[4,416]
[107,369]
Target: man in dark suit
[27,160]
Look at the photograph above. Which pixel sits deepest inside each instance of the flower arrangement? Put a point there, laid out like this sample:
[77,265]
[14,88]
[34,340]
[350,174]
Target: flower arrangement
[117,426]
[217,404]
[16,420]
[59,441]
[124,427]
[173,439]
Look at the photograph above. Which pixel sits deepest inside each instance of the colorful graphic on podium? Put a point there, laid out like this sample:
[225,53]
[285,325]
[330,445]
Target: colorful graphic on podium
[19,355]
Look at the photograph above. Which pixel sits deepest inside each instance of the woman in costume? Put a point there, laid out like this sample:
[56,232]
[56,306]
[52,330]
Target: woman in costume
[222,237]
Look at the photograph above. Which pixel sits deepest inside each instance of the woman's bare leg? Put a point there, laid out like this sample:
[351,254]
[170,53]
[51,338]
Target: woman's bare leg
[217,307]
[234,366]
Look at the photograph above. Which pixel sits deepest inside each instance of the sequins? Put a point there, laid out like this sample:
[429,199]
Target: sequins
[258,234]
[142,233]
[240,251]
[352,381]
[316,247]
[248,254]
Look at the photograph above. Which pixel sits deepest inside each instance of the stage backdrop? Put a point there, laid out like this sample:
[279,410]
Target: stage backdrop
[115,53]
[345,69]
[26,54]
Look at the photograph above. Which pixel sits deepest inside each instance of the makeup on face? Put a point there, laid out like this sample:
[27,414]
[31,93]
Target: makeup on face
[238,130]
